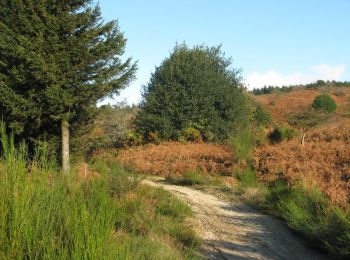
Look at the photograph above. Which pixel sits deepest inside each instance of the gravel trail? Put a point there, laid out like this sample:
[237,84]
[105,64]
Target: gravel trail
[236,231]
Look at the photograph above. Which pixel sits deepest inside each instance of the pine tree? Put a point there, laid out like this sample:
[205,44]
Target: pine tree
[57,59]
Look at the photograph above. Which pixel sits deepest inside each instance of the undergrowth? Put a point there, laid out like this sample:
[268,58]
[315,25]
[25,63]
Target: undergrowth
[309,212]
[306,210]
[45,215]
[192,178]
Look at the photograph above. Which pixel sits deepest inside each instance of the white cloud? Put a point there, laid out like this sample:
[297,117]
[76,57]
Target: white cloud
[274,78]
[329,72]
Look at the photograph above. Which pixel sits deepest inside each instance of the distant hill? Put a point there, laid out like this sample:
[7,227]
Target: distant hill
[297,100]
[316,85]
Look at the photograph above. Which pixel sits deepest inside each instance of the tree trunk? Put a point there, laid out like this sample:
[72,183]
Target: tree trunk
[302,140]
[65,146]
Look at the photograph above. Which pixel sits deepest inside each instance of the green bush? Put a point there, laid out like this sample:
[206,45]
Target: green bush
[325,103]
[280,134]
[260,136]
[133,138]
[262,116]
[194,87]
[192,134]
[247,178]
[242,143]
[154,137]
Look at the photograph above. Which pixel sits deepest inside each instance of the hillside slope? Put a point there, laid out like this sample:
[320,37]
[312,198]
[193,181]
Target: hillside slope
[282,105]
[324,159]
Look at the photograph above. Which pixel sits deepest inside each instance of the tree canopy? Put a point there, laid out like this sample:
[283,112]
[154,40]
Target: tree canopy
[57,59]
[196,88]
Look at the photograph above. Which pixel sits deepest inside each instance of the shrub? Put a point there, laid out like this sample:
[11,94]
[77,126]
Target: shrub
[262,116]
[242,143]
[192,134]
[109,129]
[133,138]
[247,178]
[325,103]
[154,137]
[339,93]
[259,136]
[282,133]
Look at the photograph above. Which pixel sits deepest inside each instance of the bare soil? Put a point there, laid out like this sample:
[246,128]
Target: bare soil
[236,231]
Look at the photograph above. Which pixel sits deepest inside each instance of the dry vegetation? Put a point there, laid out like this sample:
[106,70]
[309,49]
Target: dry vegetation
[282,105]
[173,158]
[324,160]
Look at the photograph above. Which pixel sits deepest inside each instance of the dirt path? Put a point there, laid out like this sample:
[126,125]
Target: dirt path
[235,231]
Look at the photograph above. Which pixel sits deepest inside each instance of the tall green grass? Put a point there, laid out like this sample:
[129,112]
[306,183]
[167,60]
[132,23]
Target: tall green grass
[310,214]
[242,144]
[45,215]
[307,211]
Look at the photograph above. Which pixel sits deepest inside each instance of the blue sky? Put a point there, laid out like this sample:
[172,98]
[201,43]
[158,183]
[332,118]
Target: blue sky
[273,42]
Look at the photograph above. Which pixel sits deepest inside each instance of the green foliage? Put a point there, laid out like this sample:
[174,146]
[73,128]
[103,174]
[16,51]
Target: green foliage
[191,134]
[193,88]
[109,129]
[280,134]
[242,144]
[45,216]
[261,116]
[115,122]
[306,211]
[309,213]
[247,178]
[260,136]
[57,60]
[133,138]
[154,137]
[272,89]
[316,85]
[244,139]
[325,103]
[248,187]
[309,119]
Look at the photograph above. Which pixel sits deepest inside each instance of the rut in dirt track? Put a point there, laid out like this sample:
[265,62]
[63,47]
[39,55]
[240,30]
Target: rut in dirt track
[235,231]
